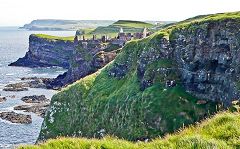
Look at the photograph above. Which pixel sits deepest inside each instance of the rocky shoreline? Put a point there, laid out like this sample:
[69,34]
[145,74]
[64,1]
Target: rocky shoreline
[35,99]
[16,117]
[31,82]
[80,60]
[37,104]
[39,109]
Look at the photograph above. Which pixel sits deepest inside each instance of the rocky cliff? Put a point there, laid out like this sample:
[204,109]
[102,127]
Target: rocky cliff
[207,55]
[156,85]
[85,61]
[44,53]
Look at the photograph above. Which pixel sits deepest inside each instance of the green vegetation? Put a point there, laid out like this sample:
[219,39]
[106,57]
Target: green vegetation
[196,22]
[119,106]
[49,37]
[85,31]
[128,26]
[133,24]
[111,30]
[214,17]
[221,131]
[114,103]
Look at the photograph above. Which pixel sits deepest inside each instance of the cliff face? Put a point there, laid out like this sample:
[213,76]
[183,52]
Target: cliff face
[208,58]
[44,53]
[79,60]
[156,85]
[85,60]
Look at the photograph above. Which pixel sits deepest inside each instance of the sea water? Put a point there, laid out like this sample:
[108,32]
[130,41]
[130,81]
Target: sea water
[13,45]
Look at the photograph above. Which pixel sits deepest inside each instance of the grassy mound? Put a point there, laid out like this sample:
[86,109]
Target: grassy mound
[220,131]
[127,25]
[133,24]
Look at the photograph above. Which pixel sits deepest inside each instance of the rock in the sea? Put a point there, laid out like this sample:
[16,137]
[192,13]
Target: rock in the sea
[35,99]
[16,87]
[39,109]
[16,117]
[11,89]
[32,82]
[37,82]
[2,99]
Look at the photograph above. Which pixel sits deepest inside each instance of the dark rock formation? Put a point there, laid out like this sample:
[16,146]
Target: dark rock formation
[15,89]
[39,109]
[2,99]
[80,59]
[85,61]
[208,59]
[204,56]
[44,53]
[17,85]
[16,117]
[32,82]
[35,99]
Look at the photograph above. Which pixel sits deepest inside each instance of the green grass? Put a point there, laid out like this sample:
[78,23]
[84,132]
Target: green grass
[133,24]
[221,131]
[121,105]
[110,31]
[49,37]
[200,21]
[127,25]
[214,17]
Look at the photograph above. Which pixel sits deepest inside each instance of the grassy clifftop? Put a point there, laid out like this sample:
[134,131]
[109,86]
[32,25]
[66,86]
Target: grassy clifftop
[127,25]
[129,98]
[133,24]
[50,37]
[220,131]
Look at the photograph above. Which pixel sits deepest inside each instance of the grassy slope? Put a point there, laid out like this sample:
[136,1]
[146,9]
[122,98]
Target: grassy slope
[221,131]
[128,26]
[133,24]
[118,106]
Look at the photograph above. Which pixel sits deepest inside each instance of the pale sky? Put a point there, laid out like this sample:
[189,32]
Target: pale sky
[19,12]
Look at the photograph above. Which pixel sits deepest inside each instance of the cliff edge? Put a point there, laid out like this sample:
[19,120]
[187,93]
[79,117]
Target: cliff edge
[45,53]
[156,85]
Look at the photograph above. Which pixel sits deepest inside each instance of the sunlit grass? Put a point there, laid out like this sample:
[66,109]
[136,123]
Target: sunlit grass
[222,131]
[50,37]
